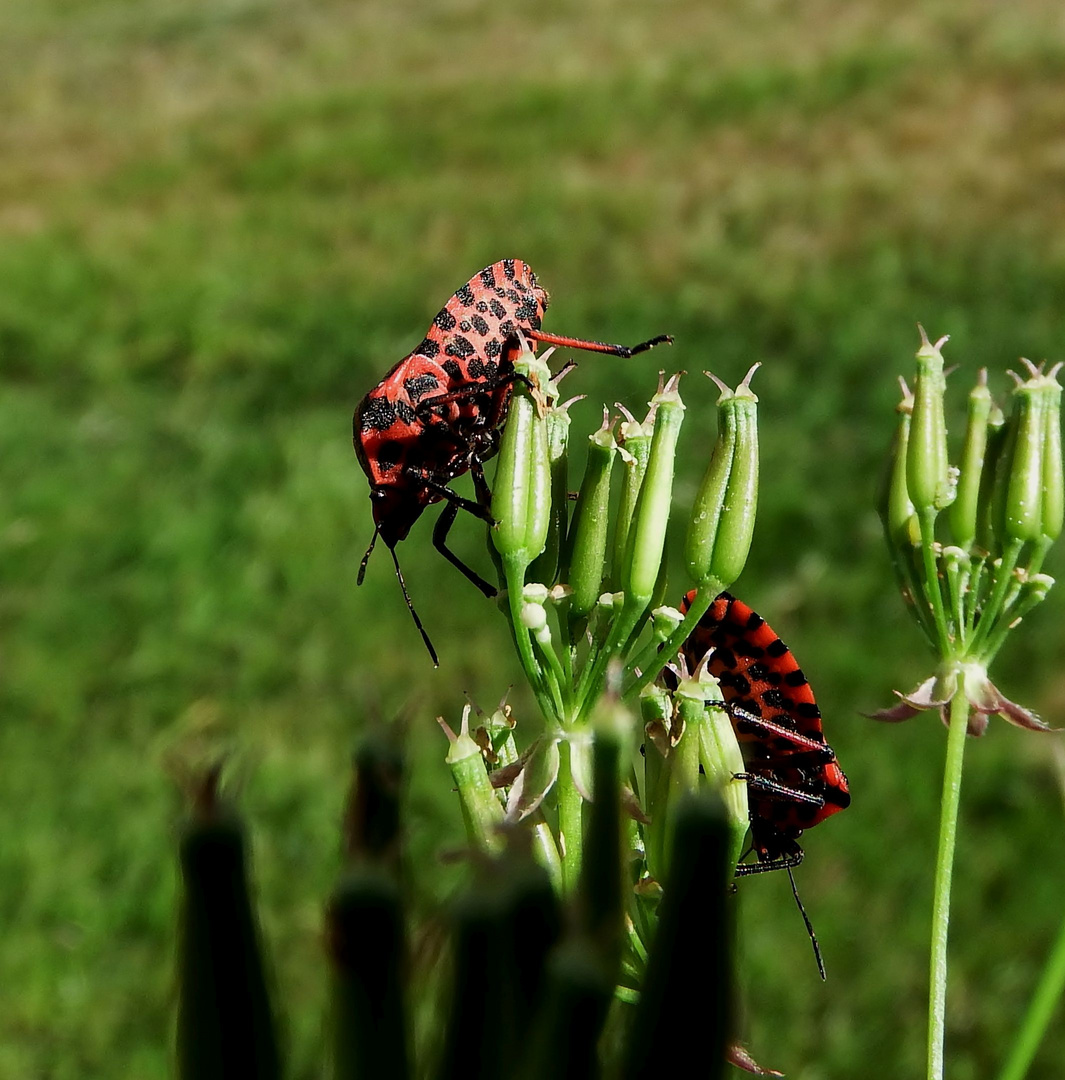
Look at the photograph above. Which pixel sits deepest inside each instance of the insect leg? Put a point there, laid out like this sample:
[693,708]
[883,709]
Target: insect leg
[785,862]
[440,531]
[472,389]
[761,726]
[453,498]
[598,346]
[773,789]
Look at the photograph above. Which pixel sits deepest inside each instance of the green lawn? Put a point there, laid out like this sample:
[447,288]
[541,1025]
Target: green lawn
[222,220]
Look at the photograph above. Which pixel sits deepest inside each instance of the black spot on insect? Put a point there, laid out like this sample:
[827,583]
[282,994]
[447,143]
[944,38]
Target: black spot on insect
[513,297]
[840,798]
[499,292]
[776,649]
[740,684]
[758,671]
[378,414]
[482,307]
[782,745]
[475,368]
[428,348]
[405,412]
[749,705]
[493,348]
[453,369]
[535,321]
[445,320]
[773,699]
[508,329]
[419,385]
[527,310]
[498,310]
[480,325]
[727,657]
[465,326]
[389,454]
[795,678]
[488,277]
[459,346]
[807,710]
[745,648]
[465,296]
[754,621]
[508,268]
[745,727]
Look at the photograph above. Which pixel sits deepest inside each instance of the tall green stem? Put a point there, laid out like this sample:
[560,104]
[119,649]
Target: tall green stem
[570,819]
[948,827]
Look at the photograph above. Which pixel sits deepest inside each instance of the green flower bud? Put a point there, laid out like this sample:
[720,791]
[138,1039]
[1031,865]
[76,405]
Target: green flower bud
[1053,482]
[481,810]
[647,538]
[584,559]
[927,470]
[634,440]
[664,620]
[963,511]
[722,523]
[545,567]
[521,497]
[896,510]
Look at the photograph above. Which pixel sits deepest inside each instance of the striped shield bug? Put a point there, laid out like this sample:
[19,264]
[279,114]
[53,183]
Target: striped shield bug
[438,413]
[793,778]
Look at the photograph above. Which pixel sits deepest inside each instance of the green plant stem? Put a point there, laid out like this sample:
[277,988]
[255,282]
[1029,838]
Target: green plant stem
[1036,1019]
[654,658]
[948,827]
[933,592]
[522,640]
[570,819]
[1002,577]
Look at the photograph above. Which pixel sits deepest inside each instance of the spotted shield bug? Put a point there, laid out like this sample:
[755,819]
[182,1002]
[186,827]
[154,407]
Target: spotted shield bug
[793,778]
[438,413]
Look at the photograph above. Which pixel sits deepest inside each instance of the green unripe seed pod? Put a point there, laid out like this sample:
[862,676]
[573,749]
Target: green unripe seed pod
[1022,517]
[998,440]
[521,497]
[584,561]
[634,440]
[896,509]
[481,810]
[1053,481]
[722,522]
[964,509]
[927,469]
[648,534]
[545,567]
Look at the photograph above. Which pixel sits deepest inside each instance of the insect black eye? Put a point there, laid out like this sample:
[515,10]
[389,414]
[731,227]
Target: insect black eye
[378,494]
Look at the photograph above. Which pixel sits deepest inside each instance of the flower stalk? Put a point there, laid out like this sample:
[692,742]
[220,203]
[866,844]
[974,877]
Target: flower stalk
[1005,508]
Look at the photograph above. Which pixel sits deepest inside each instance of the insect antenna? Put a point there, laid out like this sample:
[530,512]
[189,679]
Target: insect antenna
[414,614]
[366,557]
[598,346]
[809,926]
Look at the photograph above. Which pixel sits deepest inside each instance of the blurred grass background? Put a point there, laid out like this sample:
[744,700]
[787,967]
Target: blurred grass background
[222,220]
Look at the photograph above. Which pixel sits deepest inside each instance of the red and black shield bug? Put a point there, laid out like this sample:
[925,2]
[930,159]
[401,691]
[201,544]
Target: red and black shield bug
[438,413]
[793,778]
